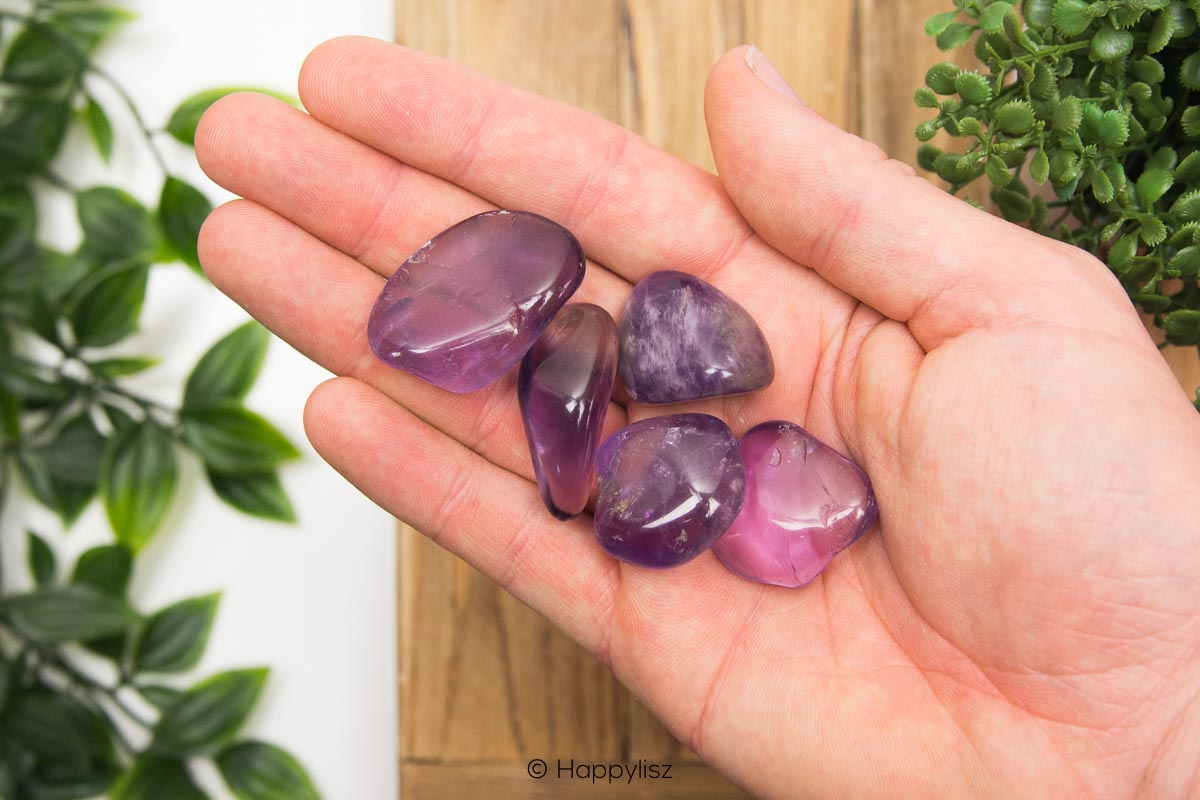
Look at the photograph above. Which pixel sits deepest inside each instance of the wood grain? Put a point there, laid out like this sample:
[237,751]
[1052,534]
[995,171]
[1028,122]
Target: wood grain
[485,683]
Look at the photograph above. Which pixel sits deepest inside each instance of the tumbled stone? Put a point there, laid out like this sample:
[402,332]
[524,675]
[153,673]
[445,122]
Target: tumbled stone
[805,502]
[684,339]
[669,486]
[564,387]
[463,309]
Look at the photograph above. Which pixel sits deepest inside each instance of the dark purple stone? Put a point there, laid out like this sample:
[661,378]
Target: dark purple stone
[805,503]
[564,387]
[462,310]
[683,339]
[669,486]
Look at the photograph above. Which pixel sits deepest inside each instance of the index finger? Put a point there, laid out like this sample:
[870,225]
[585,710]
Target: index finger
[634,208]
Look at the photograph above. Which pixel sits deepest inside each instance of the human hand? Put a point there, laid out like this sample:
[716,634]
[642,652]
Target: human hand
[1024,620]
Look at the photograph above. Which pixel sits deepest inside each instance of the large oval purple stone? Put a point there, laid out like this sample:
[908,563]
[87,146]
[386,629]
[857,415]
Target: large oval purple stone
[462,310]
[669,486]
[683,339]
[564,387]
[805,502]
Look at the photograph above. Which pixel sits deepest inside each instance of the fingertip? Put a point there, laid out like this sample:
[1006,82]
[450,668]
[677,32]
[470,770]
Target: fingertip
[325,67]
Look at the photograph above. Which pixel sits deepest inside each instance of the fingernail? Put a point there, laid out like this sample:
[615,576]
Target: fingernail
[766,72]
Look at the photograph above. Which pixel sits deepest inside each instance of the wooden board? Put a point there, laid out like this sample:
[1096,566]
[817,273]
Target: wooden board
[485,683]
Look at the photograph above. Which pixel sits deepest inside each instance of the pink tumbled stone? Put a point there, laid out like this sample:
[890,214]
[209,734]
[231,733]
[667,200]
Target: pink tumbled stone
[805,502]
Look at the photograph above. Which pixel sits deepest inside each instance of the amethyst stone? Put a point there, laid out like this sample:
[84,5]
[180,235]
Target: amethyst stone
[564,387]
[805,503]
[683,339]
[462,310]
[669,486]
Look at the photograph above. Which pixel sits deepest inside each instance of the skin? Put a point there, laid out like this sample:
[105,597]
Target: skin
[1023,621]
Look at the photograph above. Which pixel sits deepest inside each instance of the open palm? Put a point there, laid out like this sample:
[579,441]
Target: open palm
[1024,620]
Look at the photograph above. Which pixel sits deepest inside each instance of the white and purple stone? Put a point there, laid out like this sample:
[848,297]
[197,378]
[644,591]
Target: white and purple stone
[464,309]
[669,487]
[564,387]
[684,339]
[805,503]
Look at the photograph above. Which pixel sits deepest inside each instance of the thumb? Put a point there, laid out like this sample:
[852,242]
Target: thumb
[834,202]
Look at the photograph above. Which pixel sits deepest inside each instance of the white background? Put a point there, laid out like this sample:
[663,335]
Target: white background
[315,601]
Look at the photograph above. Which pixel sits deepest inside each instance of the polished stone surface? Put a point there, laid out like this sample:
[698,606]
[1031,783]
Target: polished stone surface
[464,309]
[805,502]
[669,486]
[564,389]
[683,339]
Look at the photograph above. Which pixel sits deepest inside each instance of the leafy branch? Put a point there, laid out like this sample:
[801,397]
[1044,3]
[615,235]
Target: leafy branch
[1097,100]
[73,430]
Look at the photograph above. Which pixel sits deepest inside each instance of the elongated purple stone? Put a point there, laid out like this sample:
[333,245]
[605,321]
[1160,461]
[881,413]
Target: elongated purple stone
[669,486]
[462,310]
[805,503]
[683,339]
[564,387]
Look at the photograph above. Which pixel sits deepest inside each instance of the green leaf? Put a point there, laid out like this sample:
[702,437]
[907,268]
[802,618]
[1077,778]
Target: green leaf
[159,696]
[1038,13]
[1044,84]
[1163,158]
[1152,185]
[1183,326]
[1039,168]
[87,24]
[114,223]
[42,565]
[1161,31]
[1187,261]
[1111,44]
[926,155]
[68,740]
[100,128]
[37,58]
[156,778]
[18,222]
[973,87]
[110,310]
[1071,17]
[925,98]
[938,22]
[259,494]
[1015,117]
[62,473]
[926,131]
[173,639]
[1153,231]
[1122,251]
[992,18]
[998,172]
[940,77]
[232,440]
[1067,115]
[229,368]
[121,367]
[1014,206]
[1106,128]
[105,567]
[209,714]
[181,212]
[186,116]
[1102,187]
[1189,71]
[138,475]
[1148,69]
[1187,207]
[954,35]
[68,613]
[1150,302]
[262,771]
[31,132]
[1190,122]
